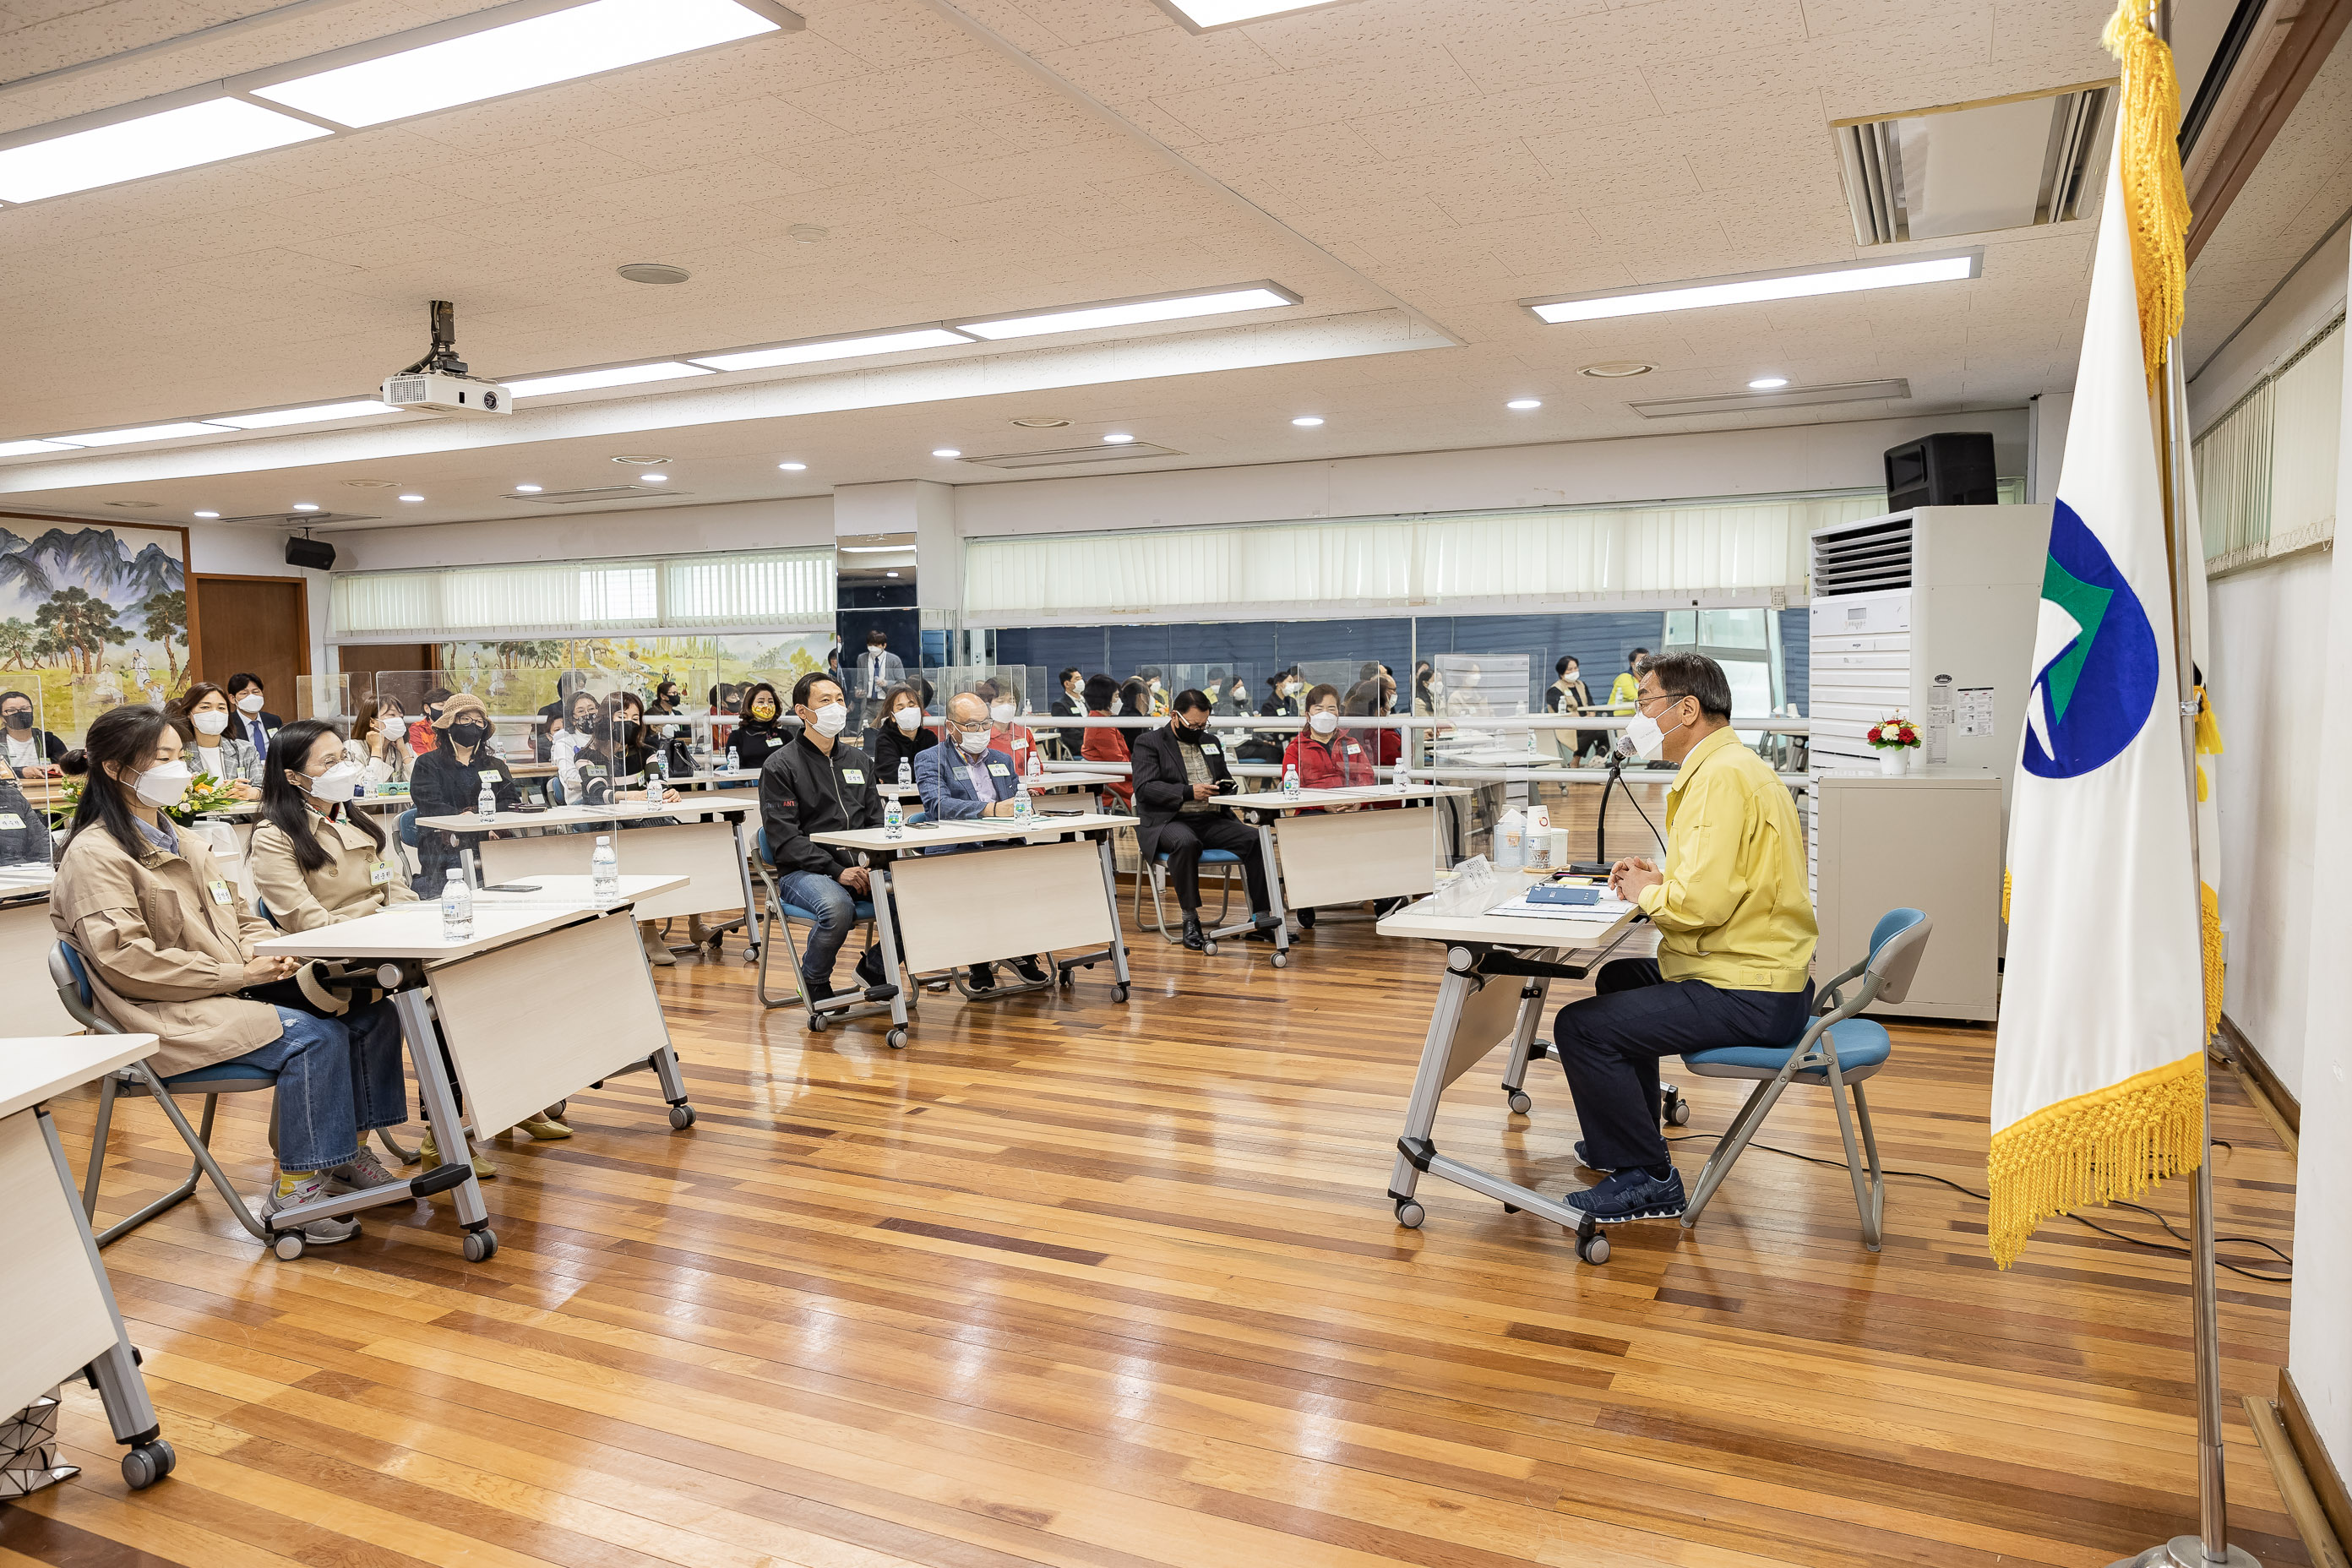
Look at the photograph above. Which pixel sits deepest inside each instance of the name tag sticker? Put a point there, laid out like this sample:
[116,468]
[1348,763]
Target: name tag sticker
[378,874]
[1354,750]
[1000,770]
[10,819]
[853,776]
[1211,750]
[490,775]
[219,890]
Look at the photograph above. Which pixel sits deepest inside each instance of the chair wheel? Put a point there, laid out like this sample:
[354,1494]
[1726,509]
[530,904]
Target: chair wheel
[1410,1213]
[1209,949]
[148,1463]
[1520,1104]
[897,1039]
[1118,992]
[1679,1115]
[480,1246]
[558,1108]
[819,1023]
[1281,958]
[1593,1249]
[288,1244]
[681,1116]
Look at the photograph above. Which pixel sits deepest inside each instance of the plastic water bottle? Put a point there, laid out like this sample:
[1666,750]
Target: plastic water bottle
[1290,780]
[1022,806]
[656,772]
[456,906]
[486,806]
[604,871]
[734,759]
[906,774]
[1036,768]
[894,817]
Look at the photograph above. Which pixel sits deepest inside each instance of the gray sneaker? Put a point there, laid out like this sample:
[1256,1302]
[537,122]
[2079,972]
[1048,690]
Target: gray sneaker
[309,1190]
[367,1171]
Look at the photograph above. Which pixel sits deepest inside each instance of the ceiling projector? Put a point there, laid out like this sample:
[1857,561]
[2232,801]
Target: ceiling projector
[438,383]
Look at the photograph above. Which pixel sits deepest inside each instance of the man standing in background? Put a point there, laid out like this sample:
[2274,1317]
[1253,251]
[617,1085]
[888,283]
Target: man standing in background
[878,670]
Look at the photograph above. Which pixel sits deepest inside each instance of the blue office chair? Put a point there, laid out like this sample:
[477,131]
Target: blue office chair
[72,981]
[780,913]
[1156,871]
[1837,1051]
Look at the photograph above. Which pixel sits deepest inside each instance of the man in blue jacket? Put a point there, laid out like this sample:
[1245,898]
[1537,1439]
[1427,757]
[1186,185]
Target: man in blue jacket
[962,778]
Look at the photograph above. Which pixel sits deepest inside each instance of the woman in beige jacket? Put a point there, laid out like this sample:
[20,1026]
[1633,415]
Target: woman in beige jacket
[168,945]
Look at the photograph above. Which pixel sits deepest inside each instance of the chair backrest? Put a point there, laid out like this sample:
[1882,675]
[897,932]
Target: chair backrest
[72,981]
[1896,947]
[407,827]
[261,908]
[555,792]
[759,841]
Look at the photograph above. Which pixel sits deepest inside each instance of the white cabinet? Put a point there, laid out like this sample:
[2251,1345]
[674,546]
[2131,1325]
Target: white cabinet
[1929,840]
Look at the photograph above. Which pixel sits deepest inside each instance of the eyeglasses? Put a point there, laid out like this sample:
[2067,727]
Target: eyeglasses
[1642,703]
[971,726]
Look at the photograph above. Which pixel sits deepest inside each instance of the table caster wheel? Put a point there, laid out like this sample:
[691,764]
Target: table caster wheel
[556,1111]
[288,1244]
[1281,958]
[1679,1113]
[148,1463]
[897,1039]
[1591,1245]
[681,1116]
[1520,1104]
[1209,949]
[480,1246]
[1410,1213]
[819,1023]
[1118,992]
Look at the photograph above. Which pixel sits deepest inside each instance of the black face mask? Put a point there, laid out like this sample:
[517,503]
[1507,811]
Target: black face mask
[1189,735]
[21,720]
[433,713]
[624,732]
[469,734]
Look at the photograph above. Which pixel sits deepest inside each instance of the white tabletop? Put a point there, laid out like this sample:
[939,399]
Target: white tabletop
[1493,757]
[1452,915]
[713,777]
[973,830]
[1039,785]
[1325,799]
[37,1068]
[701,803]
[413,930]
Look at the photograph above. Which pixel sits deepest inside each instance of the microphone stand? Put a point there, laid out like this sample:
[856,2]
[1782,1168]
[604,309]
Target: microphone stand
[1599,864]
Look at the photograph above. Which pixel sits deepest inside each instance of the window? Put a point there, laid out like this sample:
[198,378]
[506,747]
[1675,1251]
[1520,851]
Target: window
[777,590]
[2266,469]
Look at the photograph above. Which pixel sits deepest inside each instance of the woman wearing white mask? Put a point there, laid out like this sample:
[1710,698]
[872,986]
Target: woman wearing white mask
[201,714]
[379,743]
[1016,741]
[564,745]
[168,945]
[901,736]
[317,861]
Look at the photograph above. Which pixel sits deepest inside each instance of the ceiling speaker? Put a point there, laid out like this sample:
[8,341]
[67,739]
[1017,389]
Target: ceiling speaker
[314,554]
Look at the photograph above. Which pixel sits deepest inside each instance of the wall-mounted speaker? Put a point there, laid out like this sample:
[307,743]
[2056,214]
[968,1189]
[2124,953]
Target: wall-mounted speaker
[1951,468]
[315,553]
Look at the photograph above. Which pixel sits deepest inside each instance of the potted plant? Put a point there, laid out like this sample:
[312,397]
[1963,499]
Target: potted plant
[1894,739]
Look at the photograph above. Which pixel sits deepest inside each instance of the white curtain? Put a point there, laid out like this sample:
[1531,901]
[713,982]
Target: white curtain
[2266,469]
[1368,563]
[778,590]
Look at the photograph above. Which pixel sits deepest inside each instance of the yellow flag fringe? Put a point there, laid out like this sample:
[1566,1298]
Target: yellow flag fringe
[2156,197]
[2114,1143]
[2211,902]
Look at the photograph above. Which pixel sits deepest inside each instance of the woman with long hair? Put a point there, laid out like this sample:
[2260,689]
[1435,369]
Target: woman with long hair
[379,743]
[574,731]
[168,945]
[201,714]
[761,729]
[448,780]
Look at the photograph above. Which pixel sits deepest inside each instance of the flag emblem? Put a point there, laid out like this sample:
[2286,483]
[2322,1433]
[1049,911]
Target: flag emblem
[2095,657]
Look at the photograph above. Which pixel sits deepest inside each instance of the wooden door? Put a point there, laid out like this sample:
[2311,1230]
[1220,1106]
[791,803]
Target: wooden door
[257,624]
[361,661]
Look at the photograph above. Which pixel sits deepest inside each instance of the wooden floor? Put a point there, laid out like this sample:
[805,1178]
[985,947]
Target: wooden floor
[1078,1283]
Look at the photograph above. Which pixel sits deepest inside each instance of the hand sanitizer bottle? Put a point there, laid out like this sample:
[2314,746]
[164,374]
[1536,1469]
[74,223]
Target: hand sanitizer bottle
[456,906]
[604,871]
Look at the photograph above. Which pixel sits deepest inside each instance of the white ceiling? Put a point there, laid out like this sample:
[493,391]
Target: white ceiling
[1413,171]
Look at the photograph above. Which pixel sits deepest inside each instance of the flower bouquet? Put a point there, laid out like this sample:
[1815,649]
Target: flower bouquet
[1894,739]
[206,794]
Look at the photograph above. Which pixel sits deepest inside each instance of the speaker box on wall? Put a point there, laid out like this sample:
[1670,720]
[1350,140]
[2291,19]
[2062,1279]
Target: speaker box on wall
[1950,468]
[315,553]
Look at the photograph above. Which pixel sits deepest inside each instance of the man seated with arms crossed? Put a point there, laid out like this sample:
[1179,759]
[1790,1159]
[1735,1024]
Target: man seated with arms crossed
[967,776]
[1736,937]
[1178,772]
[819,783]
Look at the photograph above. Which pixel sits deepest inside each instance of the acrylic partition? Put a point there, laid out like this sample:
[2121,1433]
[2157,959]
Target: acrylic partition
[32,797]
[324,697]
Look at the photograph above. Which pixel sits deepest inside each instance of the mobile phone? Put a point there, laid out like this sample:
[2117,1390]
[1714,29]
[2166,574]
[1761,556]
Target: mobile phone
[513,888]
[1063,811]
[927,822]
[1227,787]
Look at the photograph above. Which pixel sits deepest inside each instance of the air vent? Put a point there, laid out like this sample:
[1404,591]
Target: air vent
[1868,558]
[1973,168]
[1063,456]
[305,519]
[1784,397]
[598,493]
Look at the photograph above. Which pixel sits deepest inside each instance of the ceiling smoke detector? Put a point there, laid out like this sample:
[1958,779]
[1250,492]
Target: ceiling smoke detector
[1614,369]
[1040,422]
[633,461]
[653,272]
[807,233]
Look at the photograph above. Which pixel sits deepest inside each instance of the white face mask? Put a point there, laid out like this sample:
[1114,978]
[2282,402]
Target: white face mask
[336,784]
[1648,740]
[249,703]
[165,785]
[974,742]
[210,723]
[391,729]
[1001,713]
[1324,724]
[908,720]
[832,719]
[1112,712]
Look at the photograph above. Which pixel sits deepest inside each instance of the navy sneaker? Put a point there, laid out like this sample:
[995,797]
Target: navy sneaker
[1632,1195]
[1586,1161]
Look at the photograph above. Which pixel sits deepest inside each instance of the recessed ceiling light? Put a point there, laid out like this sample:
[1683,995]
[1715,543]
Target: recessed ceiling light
[1307,421]
[1128,313]
[1616,369]
[947,452]
[270,419]
[794,467]
[1206,16]
[412,497]
[490,62]
[306,506]
[639,461]
[132,149]
[1041,422]
[1751,290]
[527,490]
[616,375]
[654,479]
[1767,382]
[832,348]
[141,433]
[807,233]
[22,449]
[1523,403]
[653,272]
[1117,439]
[208,514]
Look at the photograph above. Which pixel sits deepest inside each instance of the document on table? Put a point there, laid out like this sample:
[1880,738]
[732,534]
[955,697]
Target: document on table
[1519,908]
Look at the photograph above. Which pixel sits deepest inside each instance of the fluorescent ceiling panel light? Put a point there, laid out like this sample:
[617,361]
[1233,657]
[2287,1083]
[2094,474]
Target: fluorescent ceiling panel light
[181,137]
[1768,383]
[832,348]
[1524,403]
[947,452]
[1307,421]
[21,448]
[271,419]
[208,514]
[562,45]
[1759,290]
[1128,313]
[1206,16]
[142,433]
[619,375]
[794,467]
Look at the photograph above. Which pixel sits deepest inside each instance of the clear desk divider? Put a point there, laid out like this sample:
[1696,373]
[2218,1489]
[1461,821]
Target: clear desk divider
[324,697]
[35,802]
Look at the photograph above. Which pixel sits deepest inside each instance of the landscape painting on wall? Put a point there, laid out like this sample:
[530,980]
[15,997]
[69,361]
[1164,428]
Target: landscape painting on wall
[519,677]
[92,616]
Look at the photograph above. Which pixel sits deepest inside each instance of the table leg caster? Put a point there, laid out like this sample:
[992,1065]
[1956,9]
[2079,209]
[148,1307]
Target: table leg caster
[1591,1245]
[148,1463]
[819,1023]
[481,1244]
[1118,992]
[681,1116]
[1281,958]
[1520,1104]
[1209,949]
[287,1245]
[1410,1213]
[895,1039]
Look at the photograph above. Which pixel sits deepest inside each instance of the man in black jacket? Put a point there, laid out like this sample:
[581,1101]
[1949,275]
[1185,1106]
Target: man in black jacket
[821,784]
[1179,772]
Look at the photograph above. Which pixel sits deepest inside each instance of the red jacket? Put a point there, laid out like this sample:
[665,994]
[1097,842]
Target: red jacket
[1346,763]
[1016,741]
[1104,745]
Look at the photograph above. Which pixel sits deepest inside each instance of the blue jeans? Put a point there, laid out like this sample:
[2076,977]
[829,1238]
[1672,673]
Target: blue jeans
[337,1079]
[836,909]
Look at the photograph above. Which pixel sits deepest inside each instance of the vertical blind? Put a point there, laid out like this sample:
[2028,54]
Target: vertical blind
[774,590]
[2266,468]
[1566,553]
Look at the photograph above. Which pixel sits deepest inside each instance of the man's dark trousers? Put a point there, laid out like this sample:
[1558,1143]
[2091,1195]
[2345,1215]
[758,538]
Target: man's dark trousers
[1610,1043]
[1183,839]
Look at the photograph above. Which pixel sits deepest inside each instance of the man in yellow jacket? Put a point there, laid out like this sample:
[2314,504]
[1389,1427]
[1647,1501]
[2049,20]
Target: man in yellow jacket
[1736,936]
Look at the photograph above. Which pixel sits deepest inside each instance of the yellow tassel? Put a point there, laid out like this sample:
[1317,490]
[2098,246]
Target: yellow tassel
[2211,901]
[2111,1143]
[2004,895]
[2155,199]
[2208,727]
